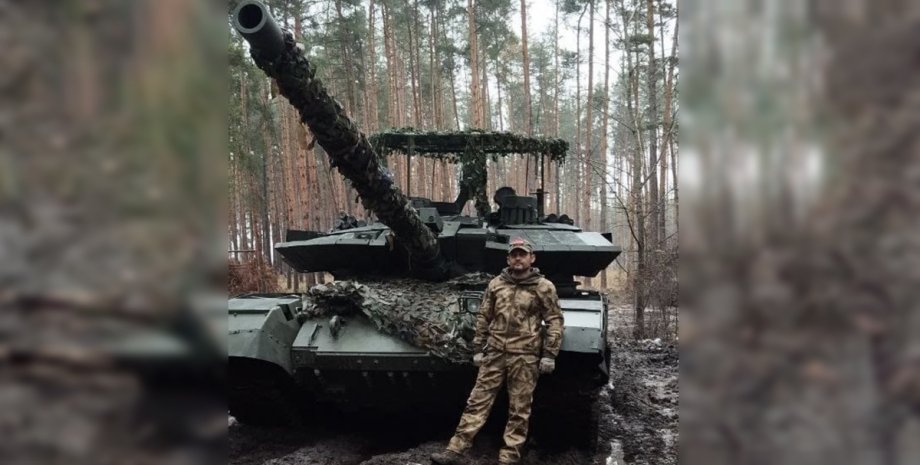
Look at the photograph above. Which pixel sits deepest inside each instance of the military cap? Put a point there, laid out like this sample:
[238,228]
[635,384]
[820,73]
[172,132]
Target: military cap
[520,243]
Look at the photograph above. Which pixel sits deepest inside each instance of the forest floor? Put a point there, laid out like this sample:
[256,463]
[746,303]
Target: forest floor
[638,421]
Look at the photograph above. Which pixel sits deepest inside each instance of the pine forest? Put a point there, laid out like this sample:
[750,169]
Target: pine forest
[601,75]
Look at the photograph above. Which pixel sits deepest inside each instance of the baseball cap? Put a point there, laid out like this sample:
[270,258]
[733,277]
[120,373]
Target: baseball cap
[520,243]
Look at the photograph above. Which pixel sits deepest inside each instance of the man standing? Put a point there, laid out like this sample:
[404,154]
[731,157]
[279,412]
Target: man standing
[510,348]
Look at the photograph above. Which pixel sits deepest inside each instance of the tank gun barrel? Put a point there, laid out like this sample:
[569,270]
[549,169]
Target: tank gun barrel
[276,53]
[254,22]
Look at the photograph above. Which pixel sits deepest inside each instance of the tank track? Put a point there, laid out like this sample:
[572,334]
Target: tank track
[261,394]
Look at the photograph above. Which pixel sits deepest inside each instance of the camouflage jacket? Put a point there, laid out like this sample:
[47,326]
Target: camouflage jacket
[511,313]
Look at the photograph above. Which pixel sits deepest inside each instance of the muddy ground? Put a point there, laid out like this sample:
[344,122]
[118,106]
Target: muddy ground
[638,419]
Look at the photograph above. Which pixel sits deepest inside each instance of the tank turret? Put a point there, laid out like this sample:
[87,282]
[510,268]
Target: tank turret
[474,242]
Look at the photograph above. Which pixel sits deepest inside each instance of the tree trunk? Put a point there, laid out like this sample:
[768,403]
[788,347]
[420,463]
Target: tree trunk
[307,176]
[529,173]
[639,210]
[263,210]
[528,111]
[253,209]
[577,204]
[370,87]
[669,124]
[433,73]
[453,94]
[657,213]
[589,122]
[499,80]
[280,213]
[244,191]
[604,127]
[351,95]
[234,195]
[287,148]
[300,185]
[394,109]
[556,105]
[399,75]
[477,119]
[486,105]
[393,101]
[414,67]
[636,214]
[453,87]
[266,197]
[622,136]
[665,134]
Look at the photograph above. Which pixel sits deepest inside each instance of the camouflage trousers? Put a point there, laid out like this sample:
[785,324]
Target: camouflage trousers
[520,372]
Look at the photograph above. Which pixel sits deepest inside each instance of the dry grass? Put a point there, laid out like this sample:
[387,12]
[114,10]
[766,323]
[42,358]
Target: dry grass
[243,278]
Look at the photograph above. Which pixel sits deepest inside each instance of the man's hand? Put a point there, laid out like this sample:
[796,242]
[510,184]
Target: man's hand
[547,365]
[477,359]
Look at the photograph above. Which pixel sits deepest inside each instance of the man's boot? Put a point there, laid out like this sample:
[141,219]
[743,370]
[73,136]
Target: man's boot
[448,457]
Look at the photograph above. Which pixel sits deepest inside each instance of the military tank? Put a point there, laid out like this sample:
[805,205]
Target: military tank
[392,331]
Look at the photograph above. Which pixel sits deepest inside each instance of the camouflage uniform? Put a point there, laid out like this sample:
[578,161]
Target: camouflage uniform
[509,333]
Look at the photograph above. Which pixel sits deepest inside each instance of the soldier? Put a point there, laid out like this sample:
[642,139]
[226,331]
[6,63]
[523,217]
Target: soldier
[510,348]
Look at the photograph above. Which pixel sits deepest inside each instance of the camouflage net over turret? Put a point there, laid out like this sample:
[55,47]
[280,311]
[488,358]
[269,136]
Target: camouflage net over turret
[454,145]
[423,314]
[469,148]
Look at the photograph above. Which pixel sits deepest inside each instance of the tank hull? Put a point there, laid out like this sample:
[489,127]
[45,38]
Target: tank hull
[280,363]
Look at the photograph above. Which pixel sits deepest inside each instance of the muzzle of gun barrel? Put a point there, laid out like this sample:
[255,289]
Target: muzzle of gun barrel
[256,24]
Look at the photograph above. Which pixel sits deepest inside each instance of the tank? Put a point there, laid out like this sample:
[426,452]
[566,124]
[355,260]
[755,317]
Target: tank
[392,331]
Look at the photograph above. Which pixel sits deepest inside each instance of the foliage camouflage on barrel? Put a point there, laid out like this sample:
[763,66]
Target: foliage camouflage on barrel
[350,152]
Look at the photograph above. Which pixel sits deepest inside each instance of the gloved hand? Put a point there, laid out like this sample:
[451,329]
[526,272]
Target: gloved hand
[477,359]
[547,365]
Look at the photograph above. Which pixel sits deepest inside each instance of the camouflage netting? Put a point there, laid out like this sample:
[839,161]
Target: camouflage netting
[470,148]
[424,314]
[350,153]
[454,145]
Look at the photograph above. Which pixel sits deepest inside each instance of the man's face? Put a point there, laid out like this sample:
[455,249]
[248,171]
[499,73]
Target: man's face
[519,260]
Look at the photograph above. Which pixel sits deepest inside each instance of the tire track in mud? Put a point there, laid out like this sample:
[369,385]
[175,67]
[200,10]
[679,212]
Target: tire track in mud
[640,406]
